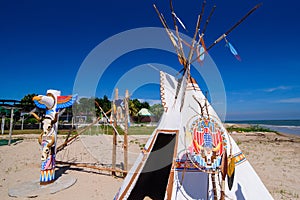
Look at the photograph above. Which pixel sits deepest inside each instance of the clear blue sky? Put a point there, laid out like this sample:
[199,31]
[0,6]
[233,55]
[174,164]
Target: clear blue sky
[44,38]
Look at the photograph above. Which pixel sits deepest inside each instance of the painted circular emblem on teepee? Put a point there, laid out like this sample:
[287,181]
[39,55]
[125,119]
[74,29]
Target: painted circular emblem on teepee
[207,142]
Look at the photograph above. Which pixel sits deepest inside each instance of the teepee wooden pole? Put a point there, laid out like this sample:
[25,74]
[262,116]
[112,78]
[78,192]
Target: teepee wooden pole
[208,19]
[114,148]
[177,32]
[194,39]
[213,179]
[170,35]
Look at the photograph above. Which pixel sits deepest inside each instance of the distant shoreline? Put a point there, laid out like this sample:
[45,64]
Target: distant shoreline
[291,127]
[286,122]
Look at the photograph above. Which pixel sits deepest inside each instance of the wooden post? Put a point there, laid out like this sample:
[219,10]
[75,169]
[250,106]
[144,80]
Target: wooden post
[114,150]
[73,122]
[126,132]
[11,124]
[3,124]
[22,125]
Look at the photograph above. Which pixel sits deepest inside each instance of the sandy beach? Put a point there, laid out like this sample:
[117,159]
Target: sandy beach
[274,157]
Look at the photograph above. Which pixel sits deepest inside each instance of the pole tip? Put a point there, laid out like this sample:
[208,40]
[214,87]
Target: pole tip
[259,5]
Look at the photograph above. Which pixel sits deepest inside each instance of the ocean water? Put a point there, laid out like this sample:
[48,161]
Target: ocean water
[282,126]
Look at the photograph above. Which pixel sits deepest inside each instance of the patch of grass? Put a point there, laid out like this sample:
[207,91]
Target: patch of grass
[37,131]
[108,130]
[5,141]
[26,131]
[282,191]
[276,159]
[133,141]
[142,146]
[101,129]
[252,128]
[141,130]
[8,170]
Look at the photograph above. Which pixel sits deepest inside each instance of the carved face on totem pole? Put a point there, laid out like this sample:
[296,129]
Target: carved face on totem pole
[45,152]
[48,131]
[47,126]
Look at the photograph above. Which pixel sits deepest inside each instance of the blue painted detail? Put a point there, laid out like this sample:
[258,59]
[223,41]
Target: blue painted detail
[49,112]
[39,105]
[207,140]
[219,162]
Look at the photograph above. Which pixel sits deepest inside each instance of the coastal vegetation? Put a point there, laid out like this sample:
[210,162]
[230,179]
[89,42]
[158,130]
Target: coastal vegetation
[251,128]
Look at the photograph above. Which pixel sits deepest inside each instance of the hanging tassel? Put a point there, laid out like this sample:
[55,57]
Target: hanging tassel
[200,54]
[230,172]
[201,49]
[232,50]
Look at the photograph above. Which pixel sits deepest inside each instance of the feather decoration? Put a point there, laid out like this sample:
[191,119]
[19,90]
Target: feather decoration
[230,172]
[201,49]
[200,53]
[233,50]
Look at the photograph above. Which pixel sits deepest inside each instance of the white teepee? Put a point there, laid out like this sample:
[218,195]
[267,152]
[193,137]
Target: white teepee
[183,157]
[190,154]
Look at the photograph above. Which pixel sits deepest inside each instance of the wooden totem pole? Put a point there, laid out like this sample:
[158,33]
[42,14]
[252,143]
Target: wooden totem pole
[52,102]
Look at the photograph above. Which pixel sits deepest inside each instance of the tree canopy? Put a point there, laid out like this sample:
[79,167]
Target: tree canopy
[27,102]
[86,106]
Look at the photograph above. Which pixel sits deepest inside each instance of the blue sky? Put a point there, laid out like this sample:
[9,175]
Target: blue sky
[43,39]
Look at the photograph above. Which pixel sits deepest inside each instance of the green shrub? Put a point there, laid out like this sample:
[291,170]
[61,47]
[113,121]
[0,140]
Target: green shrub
[252,128]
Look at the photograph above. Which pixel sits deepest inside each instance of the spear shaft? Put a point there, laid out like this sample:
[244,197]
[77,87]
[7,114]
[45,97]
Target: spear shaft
[241,20]
[194,40]
[229,30]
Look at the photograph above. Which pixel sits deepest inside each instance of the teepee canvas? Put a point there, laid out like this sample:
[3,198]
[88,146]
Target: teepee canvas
[190,155]
[183,157]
